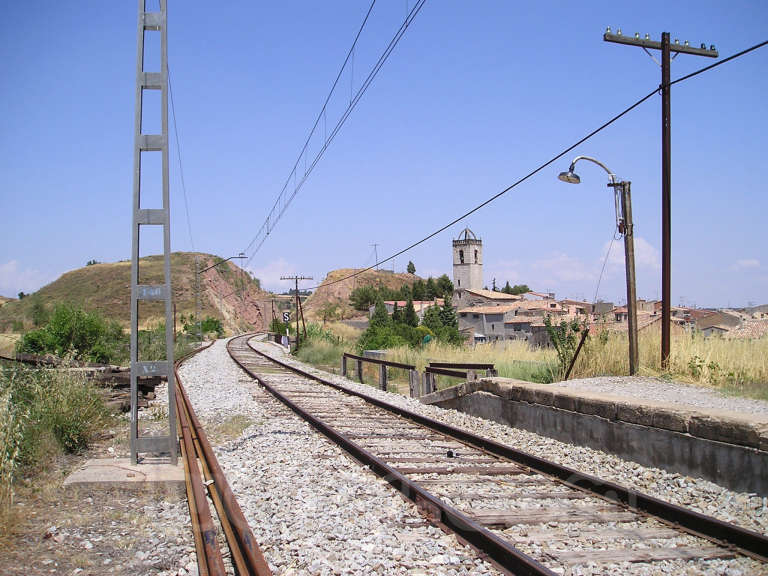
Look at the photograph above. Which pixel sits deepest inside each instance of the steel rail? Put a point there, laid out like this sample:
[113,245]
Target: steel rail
[745,541]
[246,554]
[499,550]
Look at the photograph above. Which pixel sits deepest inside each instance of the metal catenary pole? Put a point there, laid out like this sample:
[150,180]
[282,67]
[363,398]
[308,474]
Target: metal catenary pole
[148,143]
[666,49]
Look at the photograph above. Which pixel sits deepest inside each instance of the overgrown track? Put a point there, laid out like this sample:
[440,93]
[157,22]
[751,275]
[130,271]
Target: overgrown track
[529,515]
[246,555]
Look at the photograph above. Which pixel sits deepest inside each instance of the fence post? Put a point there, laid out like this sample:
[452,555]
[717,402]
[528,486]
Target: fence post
[413,383]
[383,377]
[360,371]
[343,365]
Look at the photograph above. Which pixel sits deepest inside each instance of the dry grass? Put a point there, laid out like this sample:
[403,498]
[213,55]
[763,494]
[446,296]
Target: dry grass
[8,344]
[229,429]
[513,359]
[738,366]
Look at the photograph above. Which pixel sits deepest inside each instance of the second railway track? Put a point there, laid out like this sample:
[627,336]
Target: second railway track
[530,516]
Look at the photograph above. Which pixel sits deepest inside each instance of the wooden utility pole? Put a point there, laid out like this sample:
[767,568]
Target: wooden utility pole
[666,50]
[626,227]
[298,303]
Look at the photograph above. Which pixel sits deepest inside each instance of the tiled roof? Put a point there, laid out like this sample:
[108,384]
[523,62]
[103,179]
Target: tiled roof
[488,309]
[491,295]
[749,329]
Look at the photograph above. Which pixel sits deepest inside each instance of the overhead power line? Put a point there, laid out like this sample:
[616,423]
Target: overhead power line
[287,195]
[542,166]
[181,166]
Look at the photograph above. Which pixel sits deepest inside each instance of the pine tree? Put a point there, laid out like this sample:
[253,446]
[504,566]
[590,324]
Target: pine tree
[448,315]
[380,316]
[411,319]
[432,319]
[397,315]
[419,290]
[411,268]
[507,288]
[430,289]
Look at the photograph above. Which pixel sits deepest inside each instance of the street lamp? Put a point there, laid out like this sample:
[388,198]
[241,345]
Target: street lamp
[625,227]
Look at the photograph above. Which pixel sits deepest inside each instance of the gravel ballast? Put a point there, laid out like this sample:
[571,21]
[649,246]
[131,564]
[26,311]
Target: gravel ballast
[746,510]
[312,509]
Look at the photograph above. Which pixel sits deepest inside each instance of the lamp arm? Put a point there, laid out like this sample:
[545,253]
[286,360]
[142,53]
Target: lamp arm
[613,183]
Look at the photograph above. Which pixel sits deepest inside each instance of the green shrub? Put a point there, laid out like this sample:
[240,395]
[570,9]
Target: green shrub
[42,410]
[83,335]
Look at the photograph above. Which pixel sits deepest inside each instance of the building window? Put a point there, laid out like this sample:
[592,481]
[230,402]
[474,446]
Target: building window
[475,256]
[493,327]
[463,314]
[458,283]
[461,256]
[475,316]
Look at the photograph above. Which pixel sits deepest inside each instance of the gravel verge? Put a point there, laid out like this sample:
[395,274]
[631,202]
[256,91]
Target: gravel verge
[312,509]
[743,509]
[668,392]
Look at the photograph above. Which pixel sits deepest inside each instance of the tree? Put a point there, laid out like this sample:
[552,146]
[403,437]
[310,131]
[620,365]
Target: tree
[448,315]
[430,289]
[329,311]
[397,315]
[419,290]
[494,286]
[21,295]
[432,319]
[411,268]
[380,317]
[563,338]
[444,287]
[411,319]
[92,262]
[363,298]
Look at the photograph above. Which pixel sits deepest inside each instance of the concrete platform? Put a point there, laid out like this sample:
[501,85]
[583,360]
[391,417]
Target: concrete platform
[119,472]
[728,448]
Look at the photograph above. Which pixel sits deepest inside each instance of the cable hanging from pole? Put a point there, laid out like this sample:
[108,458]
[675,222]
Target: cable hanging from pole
[541,166]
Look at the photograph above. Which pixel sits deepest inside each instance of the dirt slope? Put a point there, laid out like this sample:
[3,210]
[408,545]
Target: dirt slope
[333,291]
[226,292]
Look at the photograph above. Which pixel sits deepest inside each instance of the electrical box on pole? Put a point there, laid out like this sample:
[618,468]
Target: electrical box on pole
[151,215]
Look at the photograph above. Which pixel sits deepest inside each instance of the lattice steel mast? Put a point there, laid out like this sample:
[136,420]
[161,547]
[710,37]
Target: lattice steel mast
[151,216]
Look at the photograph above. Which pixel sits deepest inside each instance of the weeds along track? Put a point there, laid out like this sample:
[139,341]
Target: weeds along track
[527,514]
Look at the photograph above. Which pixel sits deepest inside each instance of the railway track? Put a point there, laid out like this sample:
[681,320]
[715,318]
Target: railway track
[526,514]
[205,479]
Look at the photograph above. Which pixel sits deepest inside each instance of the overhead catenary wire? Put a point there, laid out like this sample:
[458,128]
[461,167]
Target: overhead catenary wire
[543,165]
[181,165]
[277,210]
[322,113]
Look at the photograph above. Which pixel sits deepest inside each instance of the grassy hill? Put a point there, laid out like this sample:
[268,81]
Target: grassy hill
[335,292]
[226,293]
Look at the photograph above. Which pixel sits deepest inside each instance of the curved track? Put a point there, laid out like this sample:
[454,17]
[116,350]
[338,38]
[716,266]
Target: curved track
[529,515]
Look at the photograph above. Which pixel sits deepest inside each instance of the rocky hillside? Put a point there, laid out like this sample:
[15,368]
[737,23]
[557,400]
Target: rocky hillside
[333,292]
[226,292]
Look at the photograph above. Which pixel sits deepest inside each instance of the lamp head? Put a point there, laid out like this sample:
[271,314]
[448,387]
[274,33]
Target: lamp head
[571,177]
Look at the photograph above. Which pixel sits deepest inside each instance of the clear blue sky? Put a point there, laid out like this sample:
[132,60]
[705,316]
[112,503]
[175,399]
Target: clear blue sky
[475,96]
